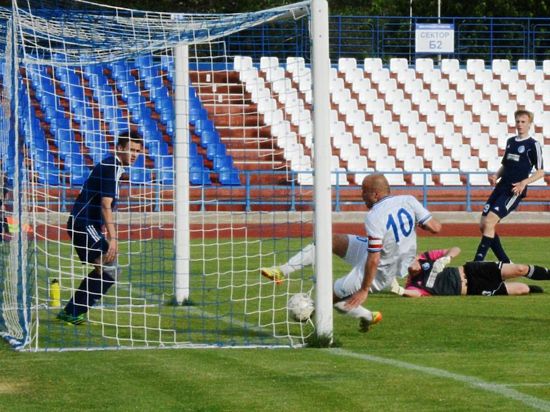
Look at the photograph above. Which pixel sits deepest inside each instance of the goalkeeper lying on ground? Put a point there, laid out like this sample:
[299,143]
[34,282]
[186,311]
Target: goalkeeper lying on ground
[428,275]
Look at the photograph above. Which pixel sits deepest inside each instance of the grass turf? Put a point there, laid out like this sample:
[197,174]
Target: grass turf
[453,353]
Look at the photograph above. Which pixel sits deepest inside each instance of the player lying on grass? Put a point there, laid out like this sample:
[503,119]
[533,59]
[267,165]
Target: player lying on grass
[428,275]
[391,223]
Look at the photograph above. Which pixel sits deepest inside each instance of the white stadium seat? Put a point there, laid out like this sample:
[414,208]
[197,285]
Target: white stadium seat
[295,64]
[509,77]
[449,66]
[423,65]
[354,75]
[405,151]
[346,63]
[398,64]
[526,66]
[268,63]
[372,64]
[377,151]
[357,163]
[474,65]
[433,151]
[500,66]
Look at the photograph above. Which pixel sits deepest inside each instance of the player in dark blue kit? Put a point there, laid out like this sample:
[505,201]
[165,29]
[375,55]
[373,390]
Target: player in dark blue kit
[522,155]
[92,210]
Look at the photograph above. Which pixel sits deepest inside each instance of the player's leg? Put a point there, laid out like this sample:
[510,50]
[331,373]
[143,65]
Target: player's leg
[345,287]
[515,288]
[90,244]
[515,270]
[500,204]
[304,258]
[487,226]
[498,250]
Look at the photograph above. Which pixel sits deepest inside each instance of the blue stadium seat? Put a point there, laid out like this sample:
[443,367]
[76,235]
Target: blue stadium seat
[215,149]
[199,176]
[209,137]
[223,162]
[201,125]
[193,150]
[144,60]
[197,113]
[138,171]
[196,161]
[229,177]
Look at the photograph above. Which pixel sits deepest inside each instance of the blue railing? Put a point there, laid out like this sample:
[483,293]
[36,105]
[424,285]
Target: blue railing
[249,196]
[485,38]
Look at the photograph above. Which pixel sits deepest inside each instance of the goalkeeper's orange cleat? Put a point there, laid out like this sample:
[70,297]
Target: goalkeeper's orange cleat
[275,274]
[365,324]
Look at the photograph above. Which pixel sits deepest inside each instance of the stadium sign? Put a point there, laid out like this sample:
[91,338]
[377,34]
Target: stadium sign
[434,38]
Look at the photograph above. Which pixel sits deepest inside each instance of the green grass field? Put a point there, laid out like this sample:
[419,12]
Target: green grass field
[441,353]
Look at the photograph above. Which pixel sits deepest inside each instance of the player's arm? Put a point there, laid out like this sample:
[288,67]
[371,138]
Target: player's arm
[519,187]
[423,217]
[107,213]
[494,177]
[453,252]
[411,293]
[373,259]
[432,225]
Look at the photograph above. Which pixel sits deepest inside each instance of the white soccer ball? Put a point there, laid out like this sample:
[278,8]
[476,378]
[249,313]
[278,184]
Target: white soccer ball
[300,306]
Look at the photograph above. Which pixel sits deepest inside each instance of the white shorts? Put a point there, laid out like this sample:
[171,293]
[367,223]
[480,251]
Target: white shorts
[356,256]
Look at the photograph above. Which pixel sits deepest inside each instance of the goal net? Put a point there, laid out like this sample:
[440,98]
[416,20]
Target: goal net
[222,188]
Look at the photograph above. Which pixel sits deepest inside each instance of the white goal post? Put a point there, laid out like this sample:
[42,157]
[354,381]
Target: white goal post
[232,177]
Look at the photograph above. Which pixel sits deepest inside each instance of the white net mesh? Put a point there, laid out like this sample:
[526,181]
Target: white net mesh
[84,75]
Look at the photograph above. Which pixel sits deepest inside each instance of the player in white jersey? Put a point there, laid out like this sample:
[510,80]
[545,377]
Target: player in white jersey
[376,260]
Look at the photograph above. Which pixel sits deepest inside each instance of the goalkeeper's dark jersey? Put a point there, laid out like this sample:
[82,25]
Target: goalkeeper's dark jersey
[447,282]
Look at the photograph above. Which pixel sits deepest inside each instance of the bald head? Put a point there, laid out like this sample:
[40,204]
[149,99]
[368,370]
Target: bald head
[374,188]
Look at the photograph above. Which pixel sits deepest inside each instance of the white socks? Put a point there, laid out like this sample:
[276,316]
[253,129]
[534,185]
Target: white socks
[305,257]
[358,312]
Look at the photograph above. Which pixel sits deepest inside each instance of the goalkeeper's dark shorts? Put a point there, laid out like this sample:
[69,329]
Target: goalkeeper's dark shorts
[484,278]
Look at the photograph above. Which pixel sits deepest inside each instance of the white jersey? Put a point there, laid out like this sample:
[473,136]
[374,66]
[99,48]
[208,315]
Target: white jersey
[390,226]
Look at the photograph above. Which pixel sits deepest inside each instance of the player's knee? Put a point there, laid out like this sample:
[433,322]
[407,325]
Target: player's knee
[112,270]
[340,245]
[521,270]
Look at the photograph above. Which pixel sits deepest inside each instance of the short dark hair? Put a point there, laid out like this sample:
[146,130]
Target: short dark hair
[527,113]
[126,137]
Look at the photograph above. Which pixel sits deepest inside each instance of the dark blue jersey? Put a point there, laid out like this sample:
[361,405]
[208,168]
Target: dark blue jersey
[102,182]
[519,159]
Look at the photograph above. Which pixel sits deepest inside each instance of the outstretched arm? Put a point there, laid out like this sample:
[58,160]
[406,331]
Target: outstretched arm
[453,252]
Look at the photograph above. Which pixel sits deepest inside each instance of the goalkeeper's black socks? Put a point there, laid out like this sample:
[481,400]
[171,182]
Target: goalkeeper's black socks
[535,289]
[90,291]
[538,273]
[483,248]
[498,250]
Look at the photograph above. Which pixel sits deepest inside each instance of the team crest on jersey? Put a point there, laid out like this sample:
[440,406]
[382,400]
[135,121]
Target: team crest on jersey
[426,266]
[521,149]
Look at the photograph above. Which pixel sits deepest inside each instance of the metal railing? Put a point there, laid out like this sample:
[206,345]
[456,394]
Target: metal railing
[249,197]
[484,38]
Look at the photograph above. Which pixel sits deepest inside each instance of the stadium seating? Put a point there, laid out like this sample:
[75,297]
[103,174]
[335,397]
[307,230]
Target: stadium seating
[452,117]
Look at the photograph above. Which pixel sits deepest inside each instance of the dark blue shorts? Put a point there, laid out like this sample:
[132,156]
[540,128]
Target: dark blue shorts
[88,241]
[501,202]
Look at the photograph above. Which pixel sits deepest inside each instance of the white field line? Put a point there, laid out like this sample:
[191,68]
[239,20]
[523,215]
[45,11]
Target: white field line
[476,383]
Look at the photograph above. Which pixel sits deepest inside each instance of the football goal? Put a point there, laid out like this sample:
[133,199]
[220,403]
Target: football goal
[233,176]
